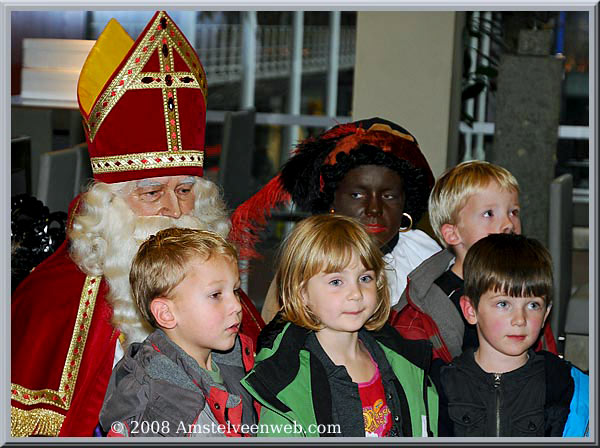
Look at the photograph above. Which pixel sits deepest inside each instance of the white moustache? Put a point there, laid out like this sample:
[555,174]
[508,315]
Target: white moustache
[145,226]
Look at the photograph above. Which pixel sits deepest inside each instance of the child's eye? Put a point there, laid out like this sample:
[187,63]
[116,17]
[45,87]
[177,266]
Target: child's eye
[215,295]
[237,291]
[534,306]
[335,282]
[357,195]
[366,278]
[502,304]
[488,213]
[389,196]
[515,212]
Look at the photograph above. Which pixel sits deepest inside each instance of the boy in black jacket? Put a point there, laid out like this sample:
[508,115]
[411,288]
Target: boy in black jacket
[505,388]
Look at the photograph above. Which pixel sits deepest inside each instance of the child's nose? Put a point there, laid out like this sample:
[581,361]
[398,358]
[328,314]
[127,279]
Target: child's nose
[508,226]
[518,317]
[356,292]
[236,306]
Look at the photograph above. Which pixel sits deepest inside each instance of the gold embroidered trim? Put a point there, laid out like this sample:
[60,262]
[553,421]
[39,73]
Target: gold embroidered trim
[146,161]
[171,119]
[30,396]
[170,105]
[131,72]
[34,422]
[72,215]
[159,81]
[61,398]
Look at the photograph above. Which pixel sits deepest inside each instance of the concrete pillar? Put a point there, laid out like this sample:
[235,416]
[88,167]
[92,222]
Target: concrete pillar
[408,69]
[333,63]
[249,27]
[526,132]
[290,133]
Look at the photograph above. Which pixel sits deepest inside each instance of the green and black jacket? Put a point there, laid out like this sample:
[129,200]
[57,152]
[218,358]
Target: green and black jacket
[299,387]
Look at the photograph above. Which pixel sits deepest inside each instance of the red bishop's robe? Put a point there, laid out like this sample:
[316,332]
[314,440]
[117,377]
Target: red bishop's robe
[63,347]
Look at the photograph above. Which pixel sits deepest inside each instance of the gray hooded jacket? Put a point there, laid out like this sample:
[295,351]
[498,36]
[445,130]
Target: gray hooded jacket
[157,389]
[429,299]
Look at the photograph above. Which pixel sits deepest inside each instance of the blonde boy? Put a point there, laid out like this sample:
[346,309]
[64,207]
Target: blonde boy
[186,284]
[468,202]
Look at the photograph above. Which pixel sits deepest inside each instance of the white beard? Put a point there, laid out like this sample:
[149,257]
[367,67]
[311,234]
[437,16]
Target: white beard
[121,250]
[104,241]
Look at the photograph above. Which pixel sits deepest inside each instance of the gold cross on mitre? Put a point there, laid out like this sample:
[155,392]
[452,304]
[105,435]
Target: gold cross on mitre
[150,63]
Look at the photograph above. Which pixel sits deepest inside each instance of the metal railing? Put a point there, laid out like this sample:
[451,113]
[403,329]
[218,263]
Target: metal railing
[219,47]
[220,50]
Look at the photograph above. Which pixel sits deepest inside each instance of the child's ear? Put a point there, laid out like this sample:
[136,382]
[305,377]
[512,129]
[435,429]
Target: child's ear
[161,310]
[468,310]
[450,234]
[548,309]
[304,297]
[303,294]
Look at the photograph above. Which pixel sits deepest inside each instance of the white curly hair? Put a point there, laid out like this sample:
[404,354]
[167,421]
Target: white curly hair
[106,235]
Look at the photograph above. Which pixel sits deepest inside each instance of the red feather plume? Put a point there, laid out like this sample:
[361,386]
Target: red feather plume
[340,131]
[250,218]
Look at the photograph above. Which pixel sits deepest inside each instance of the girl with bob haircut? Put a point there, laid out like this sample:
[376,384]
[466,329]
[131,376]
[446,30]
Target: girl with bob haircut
[329,364]
[327,245]
[372,170]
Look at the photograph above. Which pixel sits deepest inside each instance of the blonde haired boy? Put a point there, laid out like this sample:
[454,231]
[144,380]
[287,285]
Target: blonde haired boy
[183,380]
[467,203]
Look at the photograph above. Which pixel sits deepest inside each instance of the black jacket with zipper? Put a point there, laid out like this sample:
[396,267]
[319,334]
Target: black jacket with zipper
[532,400]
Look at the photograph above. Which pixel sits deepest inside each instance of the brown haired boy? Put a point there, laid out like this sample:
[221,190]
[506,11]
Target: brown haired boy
[504,387]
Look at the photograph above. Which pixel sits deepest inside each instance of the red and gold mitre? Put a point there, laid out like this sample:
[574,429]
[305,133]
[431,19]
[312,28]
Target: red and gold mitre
[143,103]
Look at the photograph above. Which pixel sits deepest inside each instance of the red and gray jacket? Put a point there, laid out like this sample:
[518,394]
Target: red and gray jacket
[425,312]
[159,390]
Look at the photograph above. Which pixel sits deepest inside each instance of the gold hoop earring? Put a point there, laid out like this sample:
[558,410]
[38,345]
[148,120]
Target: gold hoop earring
[406,229]
[332,210]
